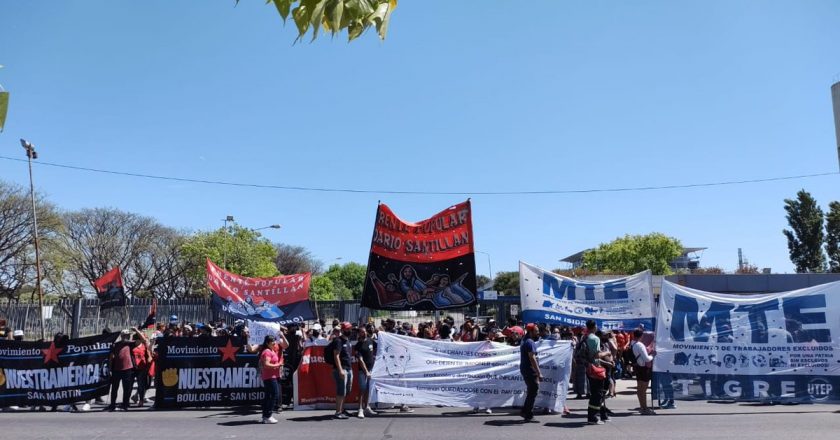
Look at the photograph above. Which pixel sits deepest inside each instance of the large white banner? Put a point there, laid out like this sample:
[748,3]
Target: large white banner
[465,374]
[779,346]
[621,303]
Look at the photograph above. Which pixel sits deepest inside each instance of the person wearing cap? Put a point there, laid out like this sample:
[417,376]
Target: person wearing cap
[529,367]
[17,335]
[595,356]
[342,351]
[315,334]
[122,365]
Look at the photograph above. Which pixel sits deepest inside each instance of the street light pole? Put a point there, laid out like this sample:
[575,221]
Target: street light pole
[489,266]
[225,244]
[269,227]
[32,154]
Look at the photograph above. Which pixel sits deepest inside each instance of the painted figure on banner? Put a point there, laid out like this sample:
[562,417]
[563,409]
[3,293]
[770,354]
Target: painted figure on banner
[428,265]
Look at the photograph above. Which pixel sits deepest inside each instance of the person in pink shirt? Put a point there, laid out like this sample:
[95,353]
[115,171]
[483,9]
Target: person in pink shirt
[270,372]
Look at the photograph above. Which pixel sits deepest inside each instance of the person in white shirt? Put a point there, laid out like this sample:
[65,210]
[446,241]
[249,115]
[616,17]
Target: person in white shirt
[643,356]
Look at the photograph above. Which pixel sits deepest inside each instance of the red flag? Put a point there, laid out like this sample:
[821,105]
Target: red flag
[150,320]
[109,289]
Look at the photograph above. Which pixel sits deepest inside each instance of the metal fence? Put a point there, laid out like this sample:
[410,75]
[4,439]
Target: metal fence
[58,316]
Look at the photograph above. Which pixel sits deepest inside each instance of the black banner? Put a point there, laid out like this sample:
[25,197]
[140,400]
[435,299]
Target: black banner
[50,374]
[428,265]
[202,372]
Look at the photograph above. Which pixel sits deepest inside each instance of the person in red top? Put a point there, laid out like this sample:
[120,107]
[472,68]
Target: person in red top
[142,362]
[270,366]
[123,366]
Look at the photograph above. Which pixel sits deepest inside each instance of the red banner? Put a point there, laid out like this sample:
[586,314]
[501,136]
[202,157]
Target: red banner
[446,235]
[314,383]
[280,290]
[109,289]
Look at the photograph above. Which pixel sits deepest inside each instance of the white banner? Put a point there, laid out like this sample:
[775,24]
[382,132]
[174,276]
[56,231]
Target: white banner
[779,346]
[621,303]
[259,329]
[465,374]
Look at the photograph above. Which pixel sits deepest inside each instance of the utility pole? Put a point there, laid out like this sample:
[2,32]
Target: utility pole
[32,154]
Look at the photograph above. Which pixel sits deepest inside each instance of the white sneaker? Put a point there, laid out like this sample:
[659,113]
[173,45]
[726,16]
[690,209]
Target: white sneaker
[270,420]
[370,412]
[86,407]
[488,411]
[14,407]
[361,413]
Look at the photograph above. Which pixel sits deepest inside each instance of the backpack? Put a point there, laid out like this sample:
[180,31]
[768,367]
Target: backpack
[329,353]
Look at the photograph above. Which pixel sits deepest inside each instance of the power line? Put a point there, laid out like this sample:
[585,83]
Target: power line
[462,193]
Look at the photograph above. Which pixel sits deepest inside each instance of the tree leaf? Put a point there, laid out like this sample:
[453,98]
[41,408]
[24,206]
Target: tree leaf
[302,15]
[318,17]
[334,13]
[4,108]
[283,7]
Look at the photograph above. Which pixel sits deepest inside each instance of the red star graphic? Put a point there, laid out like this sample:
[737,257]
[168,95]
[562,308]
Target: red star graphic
[51,353]
[228,351]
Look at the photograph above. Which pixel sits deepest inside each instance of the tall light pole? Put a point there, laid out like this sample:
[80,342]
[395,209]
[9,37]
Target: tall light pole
[32,154]
[225,244]
[489,267]
[269,227]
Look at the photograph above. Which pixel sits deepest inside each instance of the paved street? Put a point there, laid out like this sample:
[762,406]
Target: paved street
[691,420]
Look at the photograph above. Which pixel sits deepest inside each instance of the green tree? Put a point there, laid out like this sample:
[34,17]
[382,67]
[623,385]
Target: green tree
[805,240]
[507,283]
[832,236]
[348,280]
[481,280]
[322,289]
[634,253]
[334,16]
[243,251]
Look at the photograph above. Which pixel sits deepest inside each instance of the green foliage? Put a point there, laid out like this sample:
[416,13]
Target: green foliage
[507,283]
[634,253]
[481,280]
[4,108]
[714,270]
[242,251]
[832,236]
[334,16]
[322,289]
[348,280]
[805,239]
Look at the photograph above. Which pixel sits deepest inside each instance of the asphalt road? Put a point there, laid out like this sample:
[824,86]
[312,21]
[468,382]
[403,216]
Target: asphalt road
[691,420]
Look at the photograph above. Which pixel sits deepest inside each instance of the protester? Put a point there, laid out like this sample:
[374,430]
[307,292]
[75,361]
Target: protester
[366,354]
[123,366]
[142,360]
[643,356]
[17,335]
[269,372]
[595,361]
[530,369]
[342,352]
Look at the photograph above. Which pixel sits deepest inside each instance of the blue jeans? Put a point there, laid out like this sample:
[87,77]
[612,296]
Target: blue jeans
[342,387]
[272,392]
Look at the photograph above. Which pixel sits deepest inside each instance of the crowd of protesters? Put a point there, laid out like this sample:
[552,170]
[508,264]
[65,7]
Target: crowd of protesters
[599,358]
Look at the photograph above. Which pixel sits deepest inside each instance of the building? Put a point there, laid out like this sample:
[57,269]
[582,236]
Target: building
[688,260]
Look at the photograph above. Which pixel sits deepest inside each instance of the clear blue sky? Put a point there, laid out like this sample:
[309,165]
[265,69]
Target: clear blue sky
[462,96]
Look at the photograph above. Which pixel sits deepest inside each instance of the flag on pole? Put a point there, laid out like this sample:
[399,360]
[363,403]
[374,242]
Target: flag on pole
[150,320]
[109,289]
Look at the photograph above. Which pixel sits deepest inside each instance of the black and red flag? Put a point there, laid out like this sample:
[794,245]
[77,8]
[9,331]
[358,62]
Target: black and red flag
[283,299]
[151,318]
[109,289]
[428,265]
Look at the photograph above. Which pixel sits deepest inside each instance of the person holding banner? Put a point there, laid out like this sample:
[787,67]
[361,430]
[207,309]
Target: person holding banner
[530,369]
[123,365]
[269,372]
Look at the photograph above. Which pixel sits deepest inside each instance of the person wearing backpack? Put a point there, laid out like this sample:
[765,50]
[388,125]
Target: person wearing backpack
[339,354]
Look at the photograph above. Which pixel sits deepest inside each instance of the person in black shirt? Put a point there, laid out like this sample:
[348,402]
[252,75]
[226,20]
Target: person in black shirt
[529,367]
[366,354]
[342,351]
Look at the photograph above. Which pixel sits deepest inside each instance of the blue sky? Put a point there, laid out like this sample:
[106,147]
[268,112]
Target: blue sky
[463,96]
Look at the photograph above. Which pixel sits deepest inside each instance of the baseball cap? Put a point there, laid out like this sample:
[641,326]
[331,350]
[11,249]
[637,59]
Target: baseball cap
[346,325]
[516,329]
[125,332]
[316,326]
[531,326]
[173,319]
[17,333]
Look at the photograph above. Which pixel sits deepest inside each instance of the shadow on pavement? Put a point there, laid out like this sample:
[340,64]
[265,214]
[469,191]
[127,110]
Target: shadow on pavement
[566,425]
[508,422]
[239,423]
[311,418]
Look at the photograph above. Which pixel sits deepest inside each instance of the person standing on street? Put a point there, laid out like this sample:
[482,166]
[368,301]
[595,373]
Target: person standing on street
[122,366]
[269,372]
[643,357]
[342,352]
[594,359]
[530,369]
[366,354]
